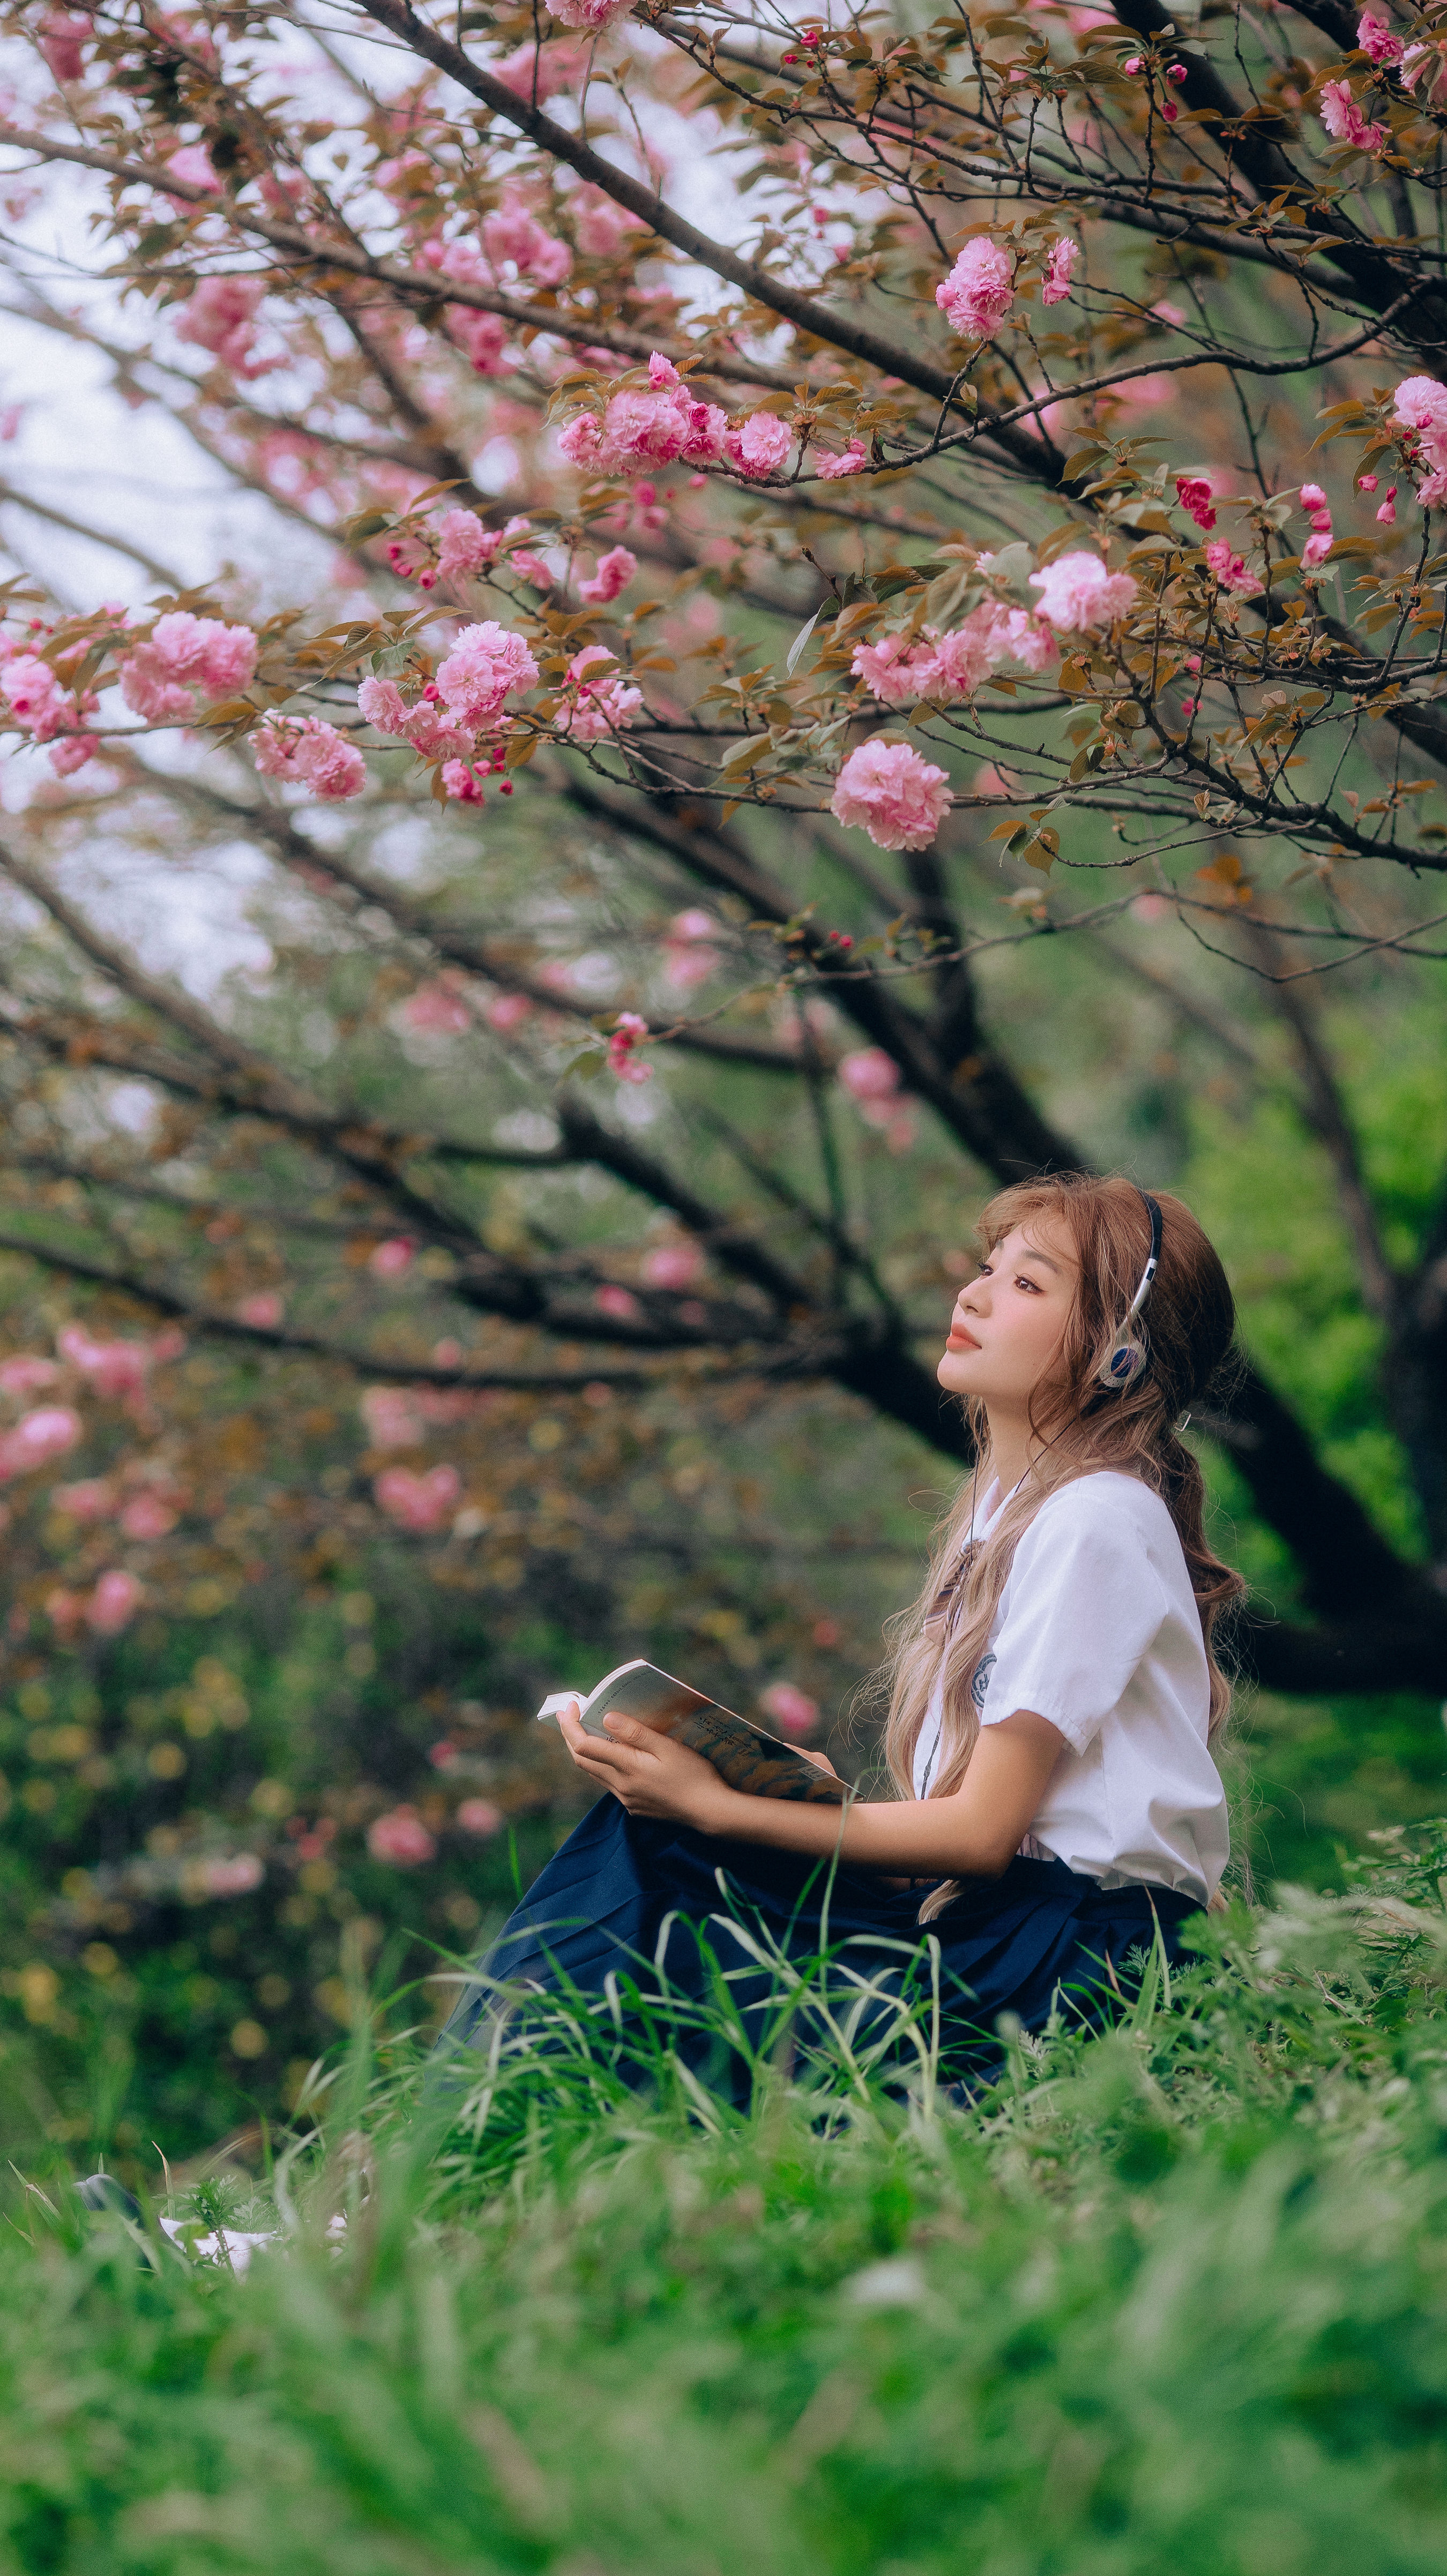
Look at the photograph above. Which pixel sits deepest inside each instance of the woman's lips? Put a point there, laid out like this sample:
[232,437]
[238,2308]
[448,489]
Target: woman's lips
[960,1341]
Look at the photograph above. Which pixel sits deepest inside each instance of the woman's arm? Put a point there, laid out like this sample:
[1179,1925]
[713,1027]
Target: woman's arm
[973,1834]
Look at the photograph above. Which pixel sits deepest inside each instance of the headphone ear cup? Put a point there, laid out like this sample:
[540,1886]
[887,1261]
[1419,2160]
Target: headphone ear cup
[1123,1364]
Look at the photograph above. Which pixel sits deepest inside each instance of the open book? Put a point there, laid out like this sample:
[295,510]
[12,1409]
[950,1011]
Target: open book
[742,1753]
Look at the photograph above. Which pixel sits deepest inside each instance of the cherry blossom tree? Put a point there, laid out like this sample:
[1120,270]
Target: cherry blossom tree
[815,465]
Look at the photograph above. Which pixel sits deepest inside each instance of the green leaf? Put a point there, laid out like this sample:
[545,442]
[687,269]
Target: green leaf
[792,657]
[743,754]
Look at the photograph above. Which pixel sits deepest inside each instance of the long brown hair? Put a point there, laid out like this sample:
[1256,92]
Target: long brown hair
[1187,1327]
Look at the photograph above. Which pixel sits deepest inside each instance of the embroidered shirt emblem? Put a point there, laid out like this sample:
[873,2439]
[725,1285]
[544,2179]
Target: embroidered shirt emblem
[980,1681]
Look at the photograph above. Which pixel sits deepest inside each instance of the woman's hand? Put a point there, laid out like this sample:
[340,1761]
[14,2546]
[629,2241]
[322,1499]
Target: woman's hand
[650,1775]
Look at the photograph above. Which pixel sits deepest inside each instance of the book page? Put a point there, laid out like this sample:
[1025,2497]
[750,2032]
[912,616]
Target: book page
[751,1760]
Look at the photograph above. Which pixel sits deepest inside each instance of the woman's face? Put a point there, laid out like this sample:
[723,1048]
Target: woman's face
[1009,1323]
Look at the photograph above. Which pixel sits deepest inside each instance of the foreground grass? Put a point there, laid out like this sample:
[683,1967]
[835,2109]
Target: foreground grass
[1175,2299]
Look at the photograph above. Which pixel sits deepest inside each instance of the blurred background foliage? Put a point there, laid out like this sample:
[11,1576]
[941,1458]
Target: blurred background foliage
[298,1754]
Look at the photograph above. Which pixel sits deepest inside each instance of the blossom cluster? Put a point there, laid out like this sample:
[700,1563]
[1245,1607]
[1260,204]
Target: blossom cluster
[42,708]
[220,317]
[1421,408]
[1319,544]
[902,670]
[487,665]
[663,423]
[980,289]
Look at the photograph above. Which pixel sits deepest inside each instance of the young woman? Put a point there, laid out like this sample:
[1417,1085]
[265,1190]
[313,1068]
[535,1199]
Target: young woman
[1054,1691]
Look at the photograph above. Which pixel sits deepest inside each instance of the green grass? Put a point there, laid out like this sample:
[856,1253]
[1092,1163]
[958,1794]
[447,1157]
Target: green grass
[1173,2299]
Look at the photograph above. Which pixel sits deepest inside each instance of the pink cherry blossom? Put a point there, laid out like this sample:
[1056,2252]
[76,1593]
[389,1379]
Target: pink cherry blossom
[1387,515]
[37,1438]
[72,753]
[513,234]
[192,166]
[391,1260]
[1022,639]
[1230,570]
[1421,406]
[436,1010]
[462,784]
[480,1816]
[114,1603]
[671,1265]
[892,793]
[221,317]
[182,657]
[311,754]
[148,1517]
[26,1376]
[592,15]
[1344,120]
[60,38]
[465,545]
[507,1011]
[869,1074]
[689,955]
[580,442]
[263,1311]
[979,291]
[1319,543]
[622,1058]
[644,426]
[620,1303]
[1077,593]
[1060,268]
[114,1368]
[1194,495]
[1376,38]
[898,670]
[542,72]
[383,705]
[615,571]
[1367,482]
[486,664]
[601,226]
[36,697]
[1421,403]
[760,445]
[603,703]
[92,1500]
[234,1874]
[793,1709]
[418,1502]
[853,461]
[391,1416]
[401,1838]
[482,338]
[966,655]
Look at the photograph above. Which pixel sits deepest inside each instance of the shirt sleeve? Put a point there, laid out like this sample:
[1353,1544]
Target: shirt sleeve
[1084,1604]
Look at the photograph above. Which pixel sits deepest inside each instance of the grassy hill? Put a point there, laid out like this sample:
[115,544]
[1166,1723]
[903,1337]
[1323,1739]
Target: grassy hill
[1171,2299]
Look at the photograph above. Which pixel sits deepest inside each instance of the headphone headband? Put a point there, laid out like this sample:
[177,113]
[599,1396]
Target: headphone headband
[1128,1356]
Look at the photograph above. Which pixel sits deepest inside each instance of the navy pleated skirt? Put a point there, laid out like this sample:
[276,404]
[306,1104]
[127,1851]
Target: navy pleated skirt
[632,1914]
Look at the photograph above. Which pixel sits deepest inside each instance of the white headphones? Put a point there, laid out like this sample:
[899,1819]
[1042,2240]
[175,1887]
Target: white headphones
[1129,1352]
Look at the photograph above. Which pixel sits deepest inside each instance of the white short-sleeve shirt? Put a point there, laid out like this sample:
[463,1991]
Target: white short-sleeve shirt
[1098,1631]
